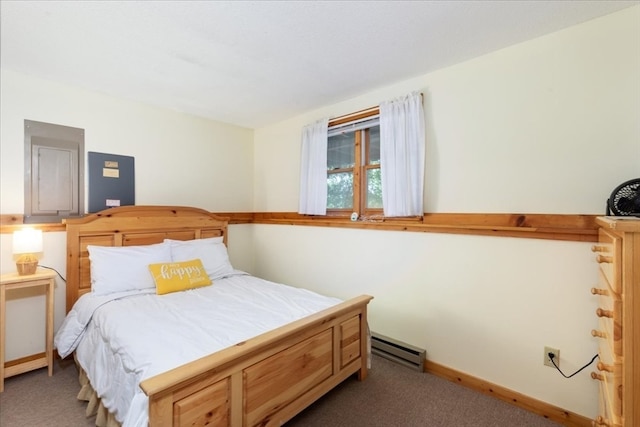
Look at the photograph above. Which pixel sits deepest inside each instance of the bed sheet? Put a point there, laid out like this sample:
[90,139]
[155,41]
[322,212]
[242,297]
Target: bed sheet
[155,333]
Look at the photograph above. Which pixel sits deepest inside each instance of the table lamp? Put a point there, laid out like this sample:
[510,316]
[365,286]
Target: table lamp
[26,243]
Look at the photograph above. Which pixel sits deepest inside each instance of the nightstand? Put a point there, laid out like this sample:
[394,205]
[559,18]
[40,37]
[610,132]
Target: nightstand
[10,281]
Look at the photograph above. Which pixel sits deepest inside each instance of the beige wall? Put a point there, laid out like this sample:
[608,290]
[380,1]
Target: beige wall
[546,126]
[179,160]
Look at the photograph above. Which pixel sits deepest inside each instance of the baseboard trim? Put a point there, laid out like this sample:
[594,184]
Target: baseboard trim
[543,409]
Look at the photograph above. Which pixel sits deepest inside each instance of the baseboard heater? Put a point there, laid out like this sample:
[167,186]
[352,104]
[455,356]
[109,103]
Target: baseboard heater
[404,354]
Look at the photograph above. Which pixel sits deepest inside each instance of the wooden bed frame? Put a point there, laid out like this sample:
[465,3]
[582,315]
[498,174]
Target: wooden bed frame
[263,381]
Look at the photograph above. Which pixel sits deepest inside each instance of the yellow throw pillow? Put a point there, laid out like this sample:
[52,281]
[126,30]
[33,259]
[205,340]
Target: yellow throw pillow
[179,276]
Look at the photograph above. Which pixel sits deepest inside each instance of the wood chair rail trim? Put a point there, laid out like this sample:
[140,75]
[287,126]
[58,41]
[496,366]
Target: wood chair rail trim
[568,227]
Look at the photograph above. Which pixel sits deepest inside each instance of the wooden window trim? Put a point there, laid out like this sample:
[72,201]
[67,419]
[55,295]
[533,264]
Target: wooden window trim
[362,114]
[359,168]
[364,209]
[357,174]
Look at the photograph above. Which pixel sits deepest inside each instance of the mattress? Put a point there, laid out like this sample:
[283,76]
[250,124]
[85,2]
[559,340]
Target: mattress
[124,338]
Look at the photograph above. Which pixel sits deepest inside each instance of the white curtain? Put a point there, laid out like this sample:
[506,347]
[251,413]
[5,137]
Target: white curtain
[402,147]
[313,169]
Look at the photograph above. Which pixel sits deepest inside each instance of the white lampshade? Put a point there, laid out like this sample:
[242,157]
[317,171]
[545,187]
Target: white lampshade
[27,241]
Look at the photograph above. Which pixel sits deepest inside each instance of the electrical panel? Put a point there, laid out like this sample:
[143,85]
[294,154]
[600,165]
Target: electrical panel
[111,181]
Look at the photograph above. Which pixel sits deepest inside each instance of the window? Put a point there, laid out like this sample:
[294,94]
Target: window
[353,165]
[53,172]
[341,162]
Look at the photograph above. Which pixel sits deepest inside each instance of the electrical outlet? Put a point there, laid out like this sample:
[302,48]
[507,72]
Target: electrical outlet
[556,356]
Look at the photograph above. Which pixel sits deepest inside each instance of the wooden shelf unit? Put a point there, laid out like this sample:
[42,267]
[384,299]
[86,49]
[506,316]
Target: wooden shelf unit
[618,332]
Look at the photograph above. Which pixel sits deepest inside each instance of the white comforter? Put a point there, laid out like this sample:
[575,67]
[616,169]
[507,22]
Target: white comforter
[121,339]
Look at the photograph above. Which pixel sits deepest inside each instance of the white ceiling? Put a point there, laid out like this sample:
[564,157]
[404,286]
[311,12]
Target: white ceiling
[252,63]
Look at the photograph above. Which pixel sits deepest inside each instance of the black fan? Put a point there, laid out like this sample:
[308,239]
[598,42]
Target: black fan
[625,199]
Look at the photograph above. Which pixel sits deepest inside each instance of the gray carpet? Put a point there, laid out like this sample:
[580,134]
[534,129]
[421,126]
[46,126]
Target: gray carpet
[392,396]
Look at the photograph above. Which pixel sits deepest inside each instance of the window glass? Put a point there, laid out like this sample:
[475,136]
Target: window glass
[374,189]
[374,145]
[340,190]
[340,152]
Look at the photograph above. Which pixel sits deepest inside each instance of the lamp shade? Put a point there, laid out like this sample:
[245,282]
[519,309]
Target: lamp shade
[27,241]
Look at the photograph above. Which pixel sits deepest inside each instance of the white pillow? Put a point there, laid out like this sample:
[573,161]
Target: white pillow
[212,252]
[124,268]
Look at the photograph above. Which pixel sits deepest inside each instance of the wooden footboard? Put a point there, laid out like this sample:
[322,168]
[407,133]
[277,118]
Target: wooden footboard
[268,379]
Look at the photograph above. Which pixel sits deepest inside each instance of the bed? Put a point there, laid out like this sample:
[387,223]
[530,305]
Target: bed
[264,379]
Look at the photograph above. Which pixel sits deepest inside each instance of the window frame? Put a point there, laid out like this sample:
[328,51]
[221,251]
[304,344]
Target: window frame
[360,168]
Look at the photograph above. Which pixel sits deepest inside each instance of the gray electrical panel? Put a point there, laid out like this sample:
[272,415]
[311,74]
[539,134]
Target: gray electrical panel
[111,181]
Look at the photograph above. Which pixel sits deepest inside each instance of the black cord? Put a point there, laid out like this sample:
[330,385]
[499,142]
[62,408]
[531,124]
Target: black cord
[551,356]
[51,268]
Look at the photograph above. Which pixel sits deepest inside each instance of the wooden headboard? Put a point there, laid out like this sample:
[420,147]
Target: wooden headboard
[129,226]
